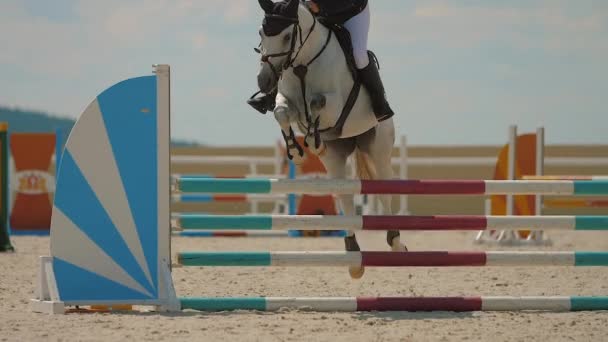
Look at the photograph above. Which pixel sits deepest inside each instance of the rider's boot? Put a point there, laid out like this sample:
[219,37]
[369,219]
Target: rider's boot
[370,77]
[263,103]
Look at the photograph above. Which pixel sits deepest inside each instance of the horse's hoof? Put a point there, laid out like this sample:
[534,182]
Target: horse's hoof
[351,244]
[356,272]
[296,157]
[312,145]
[309,141]
[398,247]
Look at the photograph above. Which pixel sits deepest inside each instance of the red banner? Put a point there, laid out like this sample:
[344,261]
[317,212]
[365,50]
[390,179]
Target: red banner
[32,183]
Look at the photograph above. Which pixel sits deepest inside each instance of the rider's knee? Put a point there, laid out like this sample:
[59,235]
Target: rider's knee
[361,59]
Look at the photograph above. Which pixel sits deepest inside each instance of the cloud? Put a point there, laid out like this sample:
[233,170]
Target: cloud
[454,24]
[97,31]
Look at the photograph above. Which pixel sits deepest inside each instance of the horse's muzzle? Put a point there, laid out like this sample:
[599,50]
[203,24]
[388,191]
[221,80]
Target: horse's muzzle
[266,82]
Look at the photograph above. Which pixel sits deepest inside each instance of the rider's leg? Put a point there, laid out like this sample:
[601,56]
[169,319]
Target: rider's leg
[263,103]
[358,26]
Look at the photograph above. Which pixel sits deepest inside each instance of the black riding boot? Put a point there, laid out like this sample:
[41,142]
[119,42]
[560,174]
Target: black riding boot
[370,77]
[263,103]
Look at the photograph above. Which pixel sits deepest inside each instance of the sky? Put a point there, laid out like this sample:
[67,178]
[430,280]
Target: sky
[456,72]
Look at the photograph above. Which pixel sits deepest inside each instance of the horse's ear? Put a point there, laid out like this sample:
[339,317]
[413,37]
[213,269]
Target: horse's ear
[267,5]
[292,8]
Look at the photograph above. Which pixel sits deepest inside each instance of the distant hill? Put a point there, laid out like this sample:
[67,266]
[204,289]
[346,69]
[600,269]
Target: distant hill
[31,121]
[28,121]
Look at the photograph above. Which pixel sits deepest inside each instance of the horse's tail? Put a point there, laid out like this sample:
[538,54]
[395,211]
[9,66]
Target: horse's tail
[365,168]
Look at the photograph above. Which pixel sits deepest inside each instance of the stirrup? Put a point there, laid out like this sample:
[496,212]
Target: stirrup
[384,117]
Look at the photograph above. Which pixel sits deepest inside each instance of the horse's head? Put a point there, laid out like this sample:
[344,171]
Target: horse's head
[280,34]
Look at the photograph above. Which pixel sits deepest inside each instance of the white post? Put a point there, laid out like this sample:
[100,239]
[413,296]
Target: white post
[353,167]
[42,289]
[487,208]
[403,173]
[277,159]
[540,166]
[253,205]
[253,168]
[512,161]
[359,200]
[277,171]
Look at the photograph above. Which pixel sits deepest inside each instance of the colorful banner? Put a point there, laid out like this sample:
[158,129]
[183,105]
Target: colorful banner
[32,183]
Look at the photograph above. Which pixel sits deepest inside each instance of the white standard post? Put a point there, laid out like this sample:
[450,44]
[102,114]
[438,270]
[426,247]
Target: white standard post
[253,171]
[278,171]
[253,167]
[540,166]
[512,161]
[277,159]
[361,201]
[254,205]
[403,173]
[487,206]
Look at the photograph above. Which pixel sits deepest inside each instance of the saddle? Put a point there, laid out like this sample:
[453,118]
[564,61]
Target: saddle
[344,38]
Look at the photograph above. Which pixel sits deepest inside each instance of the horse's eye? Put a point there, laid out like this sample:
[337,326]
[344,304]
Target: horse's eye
[287,37]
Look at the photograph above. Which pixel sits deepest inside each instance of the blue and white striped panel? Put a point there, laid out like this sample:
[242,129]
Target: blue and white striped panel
[104,228]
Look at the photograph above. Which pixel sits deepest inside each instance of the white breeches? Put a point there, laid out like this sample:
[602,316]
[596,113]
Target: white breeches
[358,26]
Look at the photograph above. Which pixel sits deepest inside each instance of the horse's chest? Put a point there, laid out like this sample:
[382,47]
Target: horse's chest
[302,91]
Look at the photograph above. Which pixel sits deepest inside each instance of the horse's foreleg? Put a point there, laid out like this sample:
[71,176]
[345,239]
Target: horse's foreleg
[334,161]
[282,114]
[312,140]
[324,107]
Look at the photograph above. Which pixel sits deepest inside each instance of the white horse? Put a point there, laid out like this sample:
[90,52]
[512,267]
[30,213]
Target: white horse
[327,84]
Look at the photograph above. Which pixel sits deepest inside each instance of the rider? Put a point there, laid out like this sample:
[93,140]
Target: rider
[354,15]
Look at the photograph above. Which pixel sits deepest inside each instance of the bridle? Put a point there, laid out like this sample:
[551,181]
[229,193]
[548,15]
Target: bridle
[300,70]
[297,31]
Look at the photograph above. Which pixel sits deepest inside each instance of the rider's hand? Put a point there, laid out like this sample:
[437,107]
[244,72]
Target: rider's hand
[314,8]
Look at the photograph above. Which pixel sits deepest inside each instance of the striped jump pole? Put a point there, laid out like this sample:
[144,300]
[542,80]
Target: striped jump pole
[247,234]
[397,187]
[206,198]
[230,234]
[393,259]
[566,177]
[412,304]
[574,203]
[356,223]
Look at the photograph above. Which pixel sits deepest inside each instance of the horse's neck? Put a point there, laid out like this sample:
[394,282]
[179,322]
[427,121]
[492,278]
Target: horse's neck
[315,41]
[329,61]
[328,74]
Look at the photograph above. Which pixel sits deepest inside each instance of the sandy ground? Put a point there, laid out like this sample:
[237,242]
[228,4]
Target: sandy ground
[18,274]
